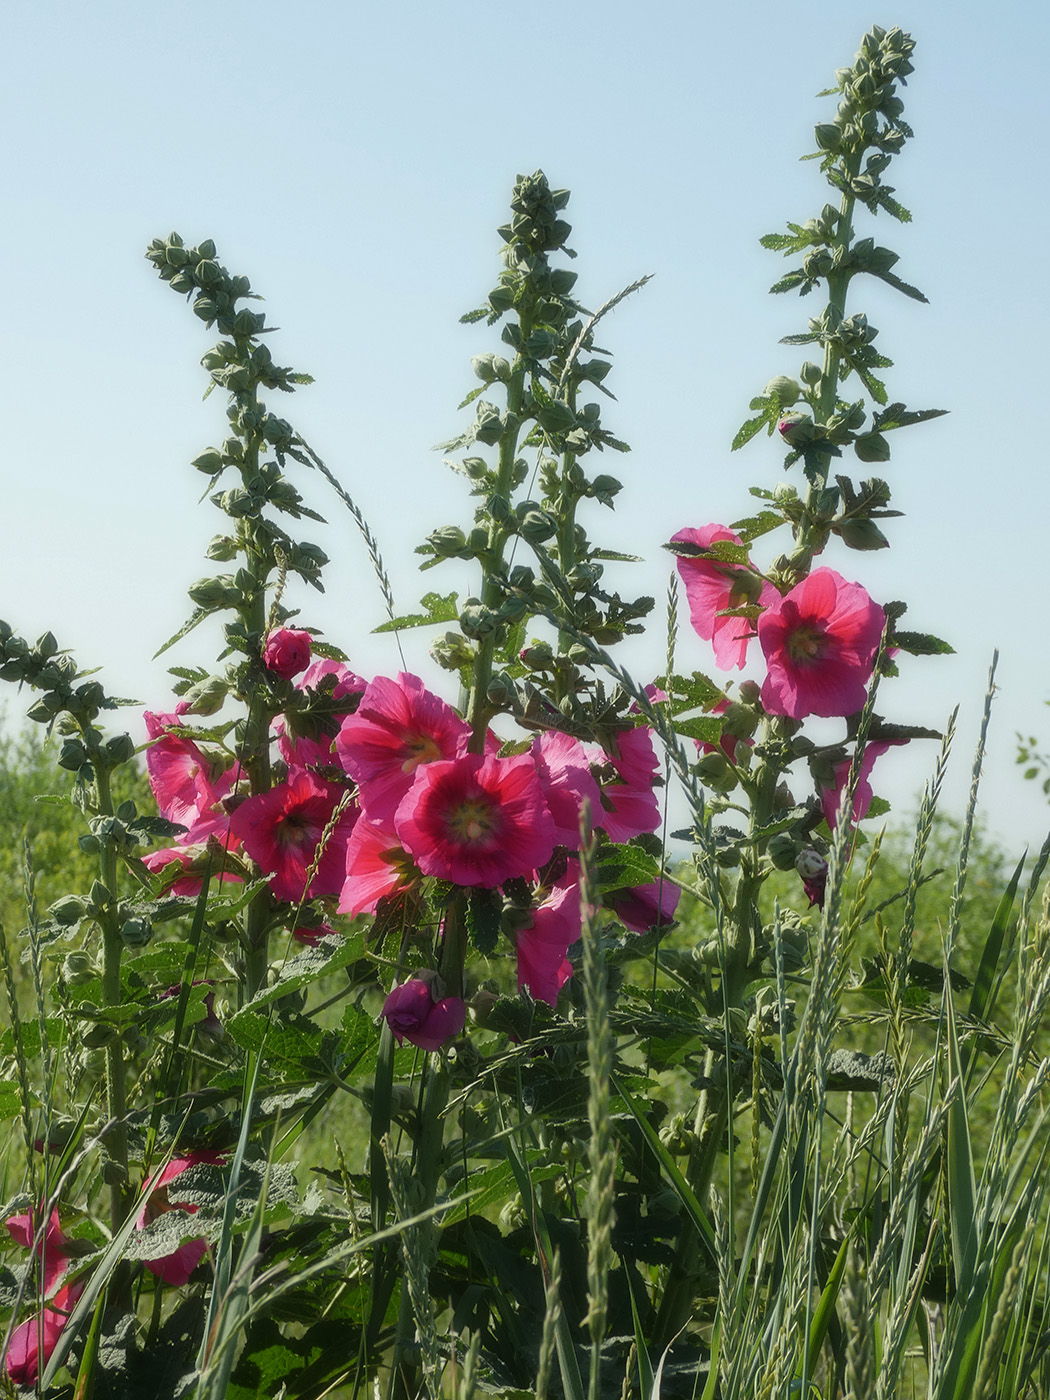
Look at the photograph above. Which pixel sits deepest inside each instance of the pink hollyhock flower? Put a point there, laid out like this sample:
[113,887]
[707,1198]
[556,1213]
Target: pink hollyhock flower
[398,726]
[644,907]
[630,806]
[50,1248]
[376,866]
[820,642]
[33,1341]
[813,871]
[831,797]
[413,1014]
[306,750]
[175,1268]
[36,1338]
[286,653]
[191,859]
[712,588]
[542,965]
[179,773]
[565,776]
[280,830]
[476,820]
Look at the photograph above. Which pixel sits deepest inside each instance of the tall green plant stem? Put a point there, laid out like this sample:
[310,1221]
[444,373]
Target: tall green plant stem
[492,588]
[255,753]
[116,1082]
[566,555]
[715,1106]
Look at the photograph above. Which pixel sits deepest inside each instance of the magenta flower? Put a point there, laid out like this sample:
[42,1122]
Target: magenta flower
[192,860]
[413,1014]
[476,820]
[286,653]
[564,772]
[36,1338]
[542,965]
[179,773]
[711,588]
[820,642]
[176,1267]
[305,750]
[376,866]
[280,830]
[398,726]
[644,907]
[629,806]
[831,797]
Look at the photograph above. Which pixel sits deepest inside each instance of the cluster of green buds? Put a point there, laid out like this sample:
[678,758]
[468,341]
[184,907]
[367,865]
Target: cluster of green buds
[255,452]
[552,361]
[806,411]
[67,702]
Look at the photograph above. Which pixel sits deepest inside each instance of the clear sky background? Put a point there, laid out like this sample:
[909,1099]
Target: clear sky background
[355,161]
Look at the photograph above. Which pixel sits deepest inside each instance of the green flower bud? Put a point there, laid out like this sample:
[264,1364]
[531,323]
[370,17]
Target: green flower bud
[207,696]
[77,969]
[217,592]
[872,447]
[556,417]
[68,910]
[534,523]
[750,691]
[861,534]
[783,850]
[501,690]
[476,620]
[715,772]
[209,462]
[452,651]
[785,389]
[119,749]
[810,374]
[829,136]
[449,542]
[136,933]
[100,1036]
[739,720]
[73,755]
[796,429]
[488,425]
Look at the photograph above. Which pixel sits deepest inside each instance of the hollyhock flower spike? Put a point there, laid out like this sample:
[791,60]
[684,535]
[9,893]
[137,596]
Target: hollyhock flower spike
[477,820]
[281,829]
[712,588]
[820,642]
[286,653]
[398,726]
[414,1013]
[177,1267]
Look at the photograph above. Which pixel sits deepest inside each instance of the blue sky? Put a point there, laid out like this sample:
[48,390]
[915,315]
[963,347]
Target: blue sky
[355,160]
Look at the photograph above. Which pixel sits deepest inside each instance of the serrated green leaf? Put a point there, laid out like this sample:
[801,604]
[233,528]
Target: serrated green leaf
[892,280]
[622,867]
[747,431]
[922,644]
[187,627]
[706,728]
[752,527]
[440,608]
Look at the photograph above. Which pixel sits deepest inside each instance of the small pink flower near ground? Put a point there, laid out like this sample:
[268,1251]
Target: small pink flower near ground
[414,1014]
[286,653]
[35,1339]
[176,1267]
[820,642]
[712,588]
[542,965]
[476,820]
[398,726]
[281,829]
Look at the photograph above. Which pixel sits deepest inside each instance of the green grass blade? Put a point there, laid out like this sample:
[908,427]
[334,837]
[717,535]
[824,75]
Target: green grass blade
[825,1309]
[993,944]
[962,1189]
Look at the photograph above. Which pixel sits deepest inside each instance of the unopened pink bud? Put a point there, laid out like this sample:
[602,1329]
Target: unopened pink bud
[287,653]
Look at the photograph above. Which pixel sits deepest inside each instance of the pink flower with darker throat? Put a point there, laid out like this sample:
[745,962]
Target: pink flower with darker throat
[712,588]
[377,866]
[398,726]
[542,965]
[629,806]
[281,830]
[476,820]
[820,642]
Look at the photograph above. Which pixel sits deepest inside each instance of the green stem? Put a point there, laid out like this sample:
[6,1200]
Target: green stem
[478,711]
[116,1167]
